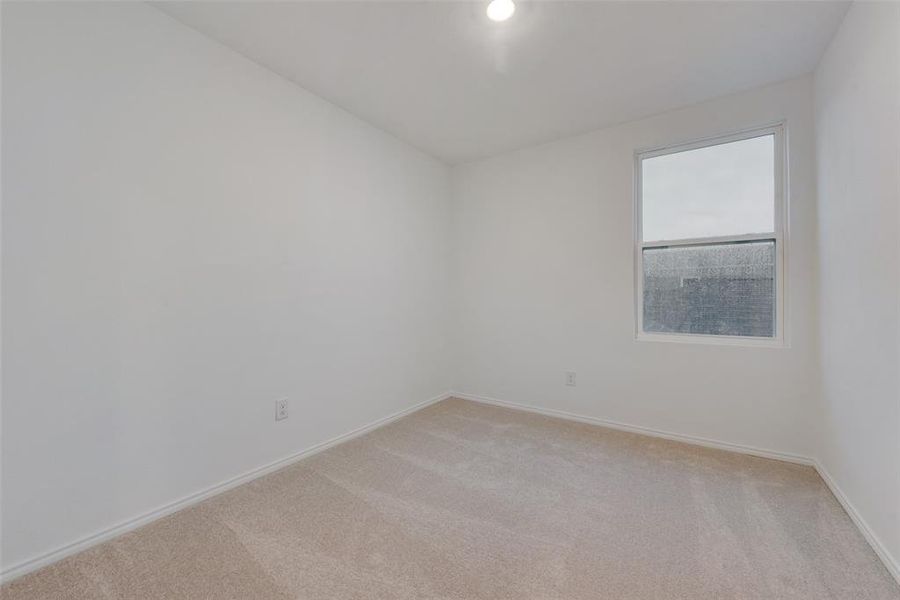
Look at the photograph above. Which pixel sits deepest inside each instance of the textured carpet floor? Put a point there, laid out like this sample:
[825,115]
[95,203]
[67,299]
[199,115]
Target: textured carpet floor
[466,501]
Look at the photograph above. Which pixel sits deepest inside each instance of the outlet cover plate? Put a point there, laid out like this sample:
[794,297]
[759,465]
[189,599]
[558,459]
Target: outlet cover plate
[281,409]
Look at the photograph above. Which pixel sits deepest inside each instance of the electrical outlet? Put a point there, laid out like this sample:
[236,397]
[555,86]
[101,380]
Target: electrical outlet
[281,409]
[570,378]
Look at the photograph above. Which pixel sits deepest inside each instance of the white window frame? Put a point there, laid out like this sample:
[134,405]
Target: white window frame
[780,235]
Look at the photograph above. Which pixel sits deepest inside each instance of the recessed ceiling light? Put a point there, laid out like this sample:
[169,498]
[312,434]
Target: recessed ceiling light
[500,10]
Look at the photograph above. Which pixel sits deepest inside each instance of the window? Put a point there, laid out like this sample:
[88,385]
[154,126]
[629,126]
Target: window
[710,240]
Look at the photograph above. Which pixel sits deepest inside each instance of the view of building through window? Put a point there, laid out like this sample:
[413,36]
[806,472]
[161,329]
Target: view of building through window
[708,243]
[722,289]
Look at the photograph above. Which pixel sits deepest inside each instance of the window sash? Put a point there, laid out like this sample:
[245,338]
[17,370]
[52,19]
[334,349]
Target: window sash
[780,338]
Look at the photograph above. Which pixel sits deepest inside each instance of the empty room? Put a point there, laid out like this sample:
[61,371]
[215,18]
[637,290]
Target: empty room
[463,300]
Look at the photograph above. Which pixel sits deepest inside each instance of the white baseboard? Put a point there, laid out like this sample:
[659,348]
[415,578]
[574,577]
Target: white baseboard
[890,563]
[667,435]
[98,537]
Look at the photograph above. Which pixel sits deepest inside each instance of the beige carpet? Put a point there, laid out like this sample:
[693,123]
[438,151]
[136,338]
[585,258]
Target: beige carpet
[468,501]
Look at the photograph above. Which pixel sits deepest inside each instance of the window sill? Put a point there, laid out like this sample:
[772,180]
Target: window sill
[712,340]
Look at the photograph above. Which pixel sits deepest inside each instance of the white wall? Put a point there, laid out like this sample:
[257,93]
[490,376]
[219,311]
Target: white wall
[857,101]
[186,238]
[544,268]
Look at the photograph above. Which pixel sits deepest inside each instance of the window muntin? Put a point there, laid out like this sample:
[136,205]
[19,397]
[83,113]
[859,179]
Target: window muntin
[709,240]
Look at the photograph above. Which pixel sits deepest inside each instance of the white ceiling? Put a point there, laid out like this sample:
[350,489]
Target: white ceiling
[444,78]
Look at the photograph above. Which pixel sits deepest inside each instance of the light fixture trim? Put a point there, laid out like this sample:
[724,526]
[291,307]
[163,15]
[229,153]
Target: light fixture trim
[500,10]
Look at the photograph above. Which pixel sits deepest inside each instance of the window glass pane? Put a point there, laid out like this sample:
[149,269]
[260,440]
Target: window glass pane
[717,289]
[727,189]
